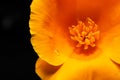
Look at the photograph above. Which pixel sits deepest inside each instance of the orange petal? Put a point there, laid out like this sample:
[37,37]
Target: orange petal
[41,36]
[45,70]
[46,35]
[100,68]
[110,43]
[110,30]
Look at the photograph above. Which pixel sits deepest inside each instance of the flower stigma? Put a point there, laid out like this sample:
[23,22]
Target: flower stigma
[85,34]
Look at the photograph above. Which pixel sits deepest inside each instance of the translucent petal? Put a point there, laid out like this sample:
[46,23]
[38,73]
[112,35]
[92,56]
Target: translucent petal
[45,70]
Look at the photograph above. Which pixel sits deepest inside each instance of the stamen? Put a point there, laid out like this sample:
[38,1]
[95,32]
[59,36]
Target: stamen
[86,34]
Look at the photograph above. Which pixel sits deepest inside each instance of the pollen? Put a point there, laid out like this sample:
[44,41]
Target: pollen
[85,34]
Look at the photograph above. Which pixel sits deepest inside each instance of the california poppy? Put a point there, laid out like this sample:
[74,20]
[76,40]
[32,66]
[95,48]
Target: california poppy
[76,39]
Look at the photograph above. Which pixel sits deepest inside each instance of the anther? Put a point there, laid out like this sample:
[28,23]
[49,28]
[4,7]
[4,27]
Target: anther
[85,34]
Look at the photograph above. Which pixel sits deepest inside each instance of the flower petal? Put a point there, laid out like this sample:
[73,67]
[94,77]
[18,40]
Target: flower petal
[110,34]
[42,40]
[47,36]
[45,70]
[110,43]
[100,68]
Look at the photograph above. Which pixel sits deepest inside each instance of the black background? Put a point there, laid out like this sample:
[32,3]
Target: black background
[17,57]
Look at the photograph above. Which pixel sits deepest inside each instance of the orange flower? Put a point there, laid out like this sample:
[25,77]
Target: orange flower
[76,39]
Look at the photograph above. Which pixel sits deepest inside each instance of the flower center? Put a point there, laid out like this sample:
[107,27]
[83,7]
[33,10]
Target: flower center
[85,34]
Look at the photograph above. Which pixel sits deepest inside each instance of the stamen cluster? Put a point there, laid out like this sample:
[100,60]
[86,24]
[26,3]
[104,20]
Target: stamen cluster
[85,34]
